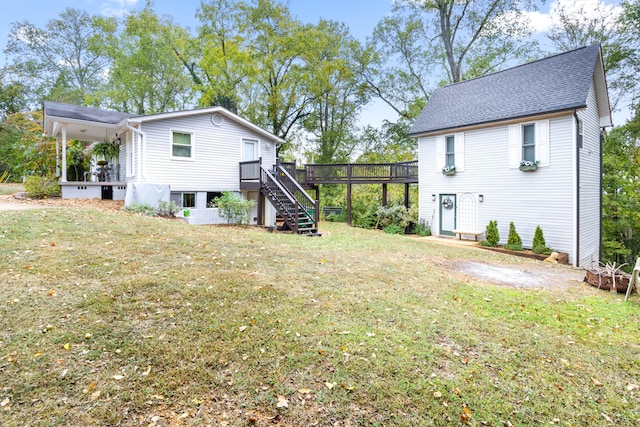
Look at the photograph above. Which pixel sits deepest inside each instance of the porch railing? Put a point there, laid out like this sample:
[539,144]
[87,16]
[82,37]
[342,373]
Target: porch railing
[369,172]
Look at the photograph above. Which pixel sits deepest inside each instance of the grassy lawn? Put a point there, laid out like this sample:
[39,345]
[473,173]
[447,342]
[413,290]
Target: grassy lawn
[10,188]
[109,318]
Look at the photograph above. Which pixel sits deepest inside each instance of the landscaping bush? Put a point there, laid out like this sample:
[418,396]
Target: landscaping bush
[423,228]
[234,208]
[40,187]
[539,245]
[393,229]
[393,215]
[492,236]
[514,242]
[140,209]
[167,209]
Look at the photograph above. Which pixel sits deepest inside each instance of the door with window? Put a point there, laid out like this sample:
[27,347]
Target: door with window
[249,150]
[447,214]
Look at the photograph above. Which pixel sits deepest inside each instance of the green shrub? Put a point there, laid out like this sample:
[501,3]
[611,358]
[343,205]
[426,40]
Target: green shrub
[167,209]
[423,228]
[393,229]
[40,187]
[492,236]
[234,208]
[514,242]
[140,209]
[393,215]
[539,245]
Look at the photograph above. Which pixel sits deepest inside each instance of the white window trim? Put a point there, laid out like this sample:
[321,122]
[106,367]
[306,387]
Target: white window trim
[441,151]
[256,142]
[193,145]
[542,144]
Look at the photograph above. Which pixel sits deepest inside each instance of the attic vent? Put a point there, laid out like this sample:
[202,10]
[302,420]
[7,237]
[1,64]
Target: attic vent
[217,119]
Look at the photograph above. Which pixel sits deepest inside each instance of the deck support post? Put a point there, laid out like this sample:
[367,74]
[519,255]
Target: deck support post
[384,194]
[349,171]
[406,195]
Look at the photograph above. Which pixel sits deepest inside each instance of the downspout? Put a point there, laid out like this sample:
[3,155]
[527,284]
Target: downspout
[576,133]
[602,136]
[141,136]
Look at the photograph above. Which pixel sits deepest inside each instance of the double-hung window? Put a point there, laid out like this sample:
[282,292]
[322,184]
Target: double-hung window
[181,145]
[529,143]
[450,151]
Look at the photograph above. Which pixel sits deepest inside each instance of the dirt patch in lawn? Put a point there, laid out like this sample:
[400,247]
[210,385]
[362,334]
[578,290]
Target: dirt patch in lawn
[529,276]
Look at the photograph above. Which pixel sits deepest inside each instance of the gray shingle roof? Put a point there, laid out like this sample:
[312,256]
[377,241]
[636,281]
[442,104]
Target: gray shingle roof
[557,83]
[68,111]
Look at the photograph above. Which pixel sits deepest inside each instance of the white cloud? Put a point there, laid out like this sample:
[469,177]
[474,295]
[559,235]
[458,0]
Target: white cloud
[576,10]
[538,22]
[118,7]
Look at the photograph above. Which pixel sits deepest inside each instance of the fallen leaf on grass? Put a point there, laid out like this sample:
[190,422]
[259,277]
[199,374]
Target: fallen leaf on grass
[145,373]
[282,402]
[118,377]
[304,391]
[465,417]
[330,385]
[596,382]
[632,387]
[5,402]
[67,346]
[95,396]
[242,328]
[344,333]
[437,394]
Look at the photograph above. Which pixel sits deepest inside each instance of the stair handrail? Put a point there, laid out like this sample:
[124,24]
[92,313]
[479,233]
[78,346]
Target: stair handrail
[316,213]
[287,193]
[295,184]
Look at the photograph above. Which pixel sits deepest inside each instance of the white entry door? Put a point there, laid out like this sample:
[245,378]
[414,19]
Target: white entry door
[447,214]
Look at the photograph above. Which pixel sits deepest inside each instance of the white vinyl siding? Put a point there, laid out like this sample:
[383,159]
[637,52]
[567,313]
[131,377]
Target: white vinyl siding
[215,163]
[544,197]
[589,164]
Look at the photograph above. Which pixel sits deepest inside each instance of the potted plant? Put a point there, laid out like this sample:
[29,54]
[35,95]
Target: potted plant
[449,170]
[107,151]
[528,166]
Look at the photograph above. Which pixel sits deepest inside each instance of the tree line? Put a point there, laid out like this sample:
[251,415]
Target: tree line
[309,83]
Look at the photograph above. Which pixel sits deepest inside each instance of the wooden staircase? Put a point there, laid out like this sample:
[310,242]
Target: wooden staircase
[295,208]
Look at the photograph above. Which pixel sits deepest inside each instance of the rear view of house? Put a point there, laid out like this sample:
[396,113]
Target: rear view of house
[521,145]
[189,157]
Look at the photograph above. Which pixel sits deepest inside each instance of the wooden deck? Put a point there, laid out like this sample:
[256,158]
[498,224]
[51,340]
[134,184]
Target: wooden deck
[356,173]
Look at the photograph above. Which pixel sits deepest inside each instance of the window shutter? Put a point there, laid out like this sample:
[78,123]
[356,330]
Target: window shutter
[459,152]
[515,146]
[440,150]
[542,142]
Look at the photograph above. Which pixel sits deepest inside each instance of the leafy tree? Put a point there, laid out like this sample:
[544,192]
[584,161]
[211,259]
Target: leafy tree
[389,143]
[579,24]
[146,76]
[59,61]
[32,153]
[621,200]
[233,207]
[450,39]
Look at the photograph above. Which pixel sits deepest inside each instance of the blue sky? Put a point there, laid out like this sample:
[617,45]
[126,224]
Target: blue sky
[360,16]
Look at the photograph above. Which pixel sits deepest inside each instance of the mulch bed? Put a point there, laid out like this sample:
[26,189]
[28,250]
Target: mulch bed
[563,257]
[602,278]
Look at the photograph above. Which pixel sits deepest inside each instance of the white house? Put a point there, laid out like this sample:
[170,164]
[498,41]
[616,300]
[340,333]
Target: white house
[521,145]
[189,157]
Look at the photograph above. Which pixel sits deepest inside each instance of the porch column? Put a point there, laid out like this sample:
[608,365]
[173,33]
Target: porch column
[58,157]
[63,175]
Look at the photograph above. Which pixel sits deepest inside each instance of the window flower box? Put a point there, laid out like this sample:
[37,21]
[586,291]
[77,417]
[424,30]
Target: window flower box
[449,170]
[528,166]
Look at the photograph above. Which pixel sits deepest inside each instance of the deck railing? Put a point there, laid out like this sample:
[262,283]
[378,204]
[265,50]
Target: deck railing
[369,172]
[250,171]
